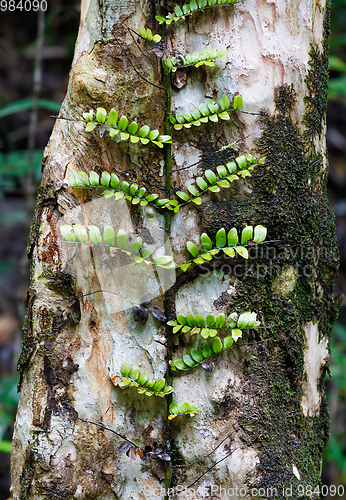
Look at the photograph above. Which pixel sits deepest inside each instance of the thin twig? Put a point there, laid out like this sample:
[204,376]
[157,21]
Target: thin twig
[202,459]
[210,468]
[212,154]
[110,430]
[92,293]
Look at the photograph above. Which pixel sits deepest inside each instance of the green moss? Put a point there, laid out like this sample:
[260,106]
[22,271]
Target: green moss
[317,85]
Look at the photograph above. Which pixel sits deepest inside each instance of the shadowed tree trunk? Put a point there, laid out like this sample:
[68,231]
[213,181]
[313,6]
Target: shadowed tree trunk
[263,401]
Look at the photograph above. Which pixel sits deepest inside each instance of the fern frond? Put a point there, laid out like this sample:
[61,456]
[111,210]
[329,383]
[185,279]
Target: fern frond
[190,8]
[147,34]
[122,129]
[209,326]
[211,111]
[91,235]
[208,250]
[206,57]
[204,356]
[133,377]
[114,187]
[242,166]
[182,409]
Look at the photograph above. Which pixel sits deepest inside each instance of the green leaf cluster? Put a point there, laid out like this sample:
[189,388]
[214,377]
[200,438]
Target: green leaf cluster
[211,111]
[211,181]
[206,57]
[209,326]
[189,9]
[122,128]
[242,166]
[226,242]
[182,409]
[133,377]
[114,187]
[91,235]
[147,34]
[197,357]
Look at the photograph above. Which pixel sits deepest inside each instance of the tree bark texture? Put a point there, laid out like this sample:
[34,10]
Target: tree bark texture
[269,394]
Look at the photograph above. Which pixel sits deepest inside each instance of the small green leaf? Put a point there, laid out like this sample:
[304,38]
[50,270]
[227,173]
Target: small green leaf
[125,368]
[143,378]
[220,321]
[213,106]
[246,235]
[101,115]
[222,171]
[125,186]
[232,237]
[191,319]
[179,364]
[80,232]
[236,334]
[94,178]
[210,320]
[224,103]
[151,197]
[109,236]
[228,342]
[229,251]
[201,183]
[192,248]
[242,251]
[90,126]
[183,196]
[160,19]
[66,233]
[159,384]
[206,351]
[188,360]
[133,127]
[221,238]
[123,123]
[191,188]
[197,201]
[105,179]
[196,355]
[88,116]
[200,321]
[184,267]
[112,118]
[177,328]
[114,181]
[153,134]
[217,345]
[134,372]
[260,234]
[184,407]
[143,131]
[95,235]
[204,109]
[136,245]
[181,319]
[241,161]
[210,176]
[122,239]
[206,242]
[222,53]
[162,261]
[237,102]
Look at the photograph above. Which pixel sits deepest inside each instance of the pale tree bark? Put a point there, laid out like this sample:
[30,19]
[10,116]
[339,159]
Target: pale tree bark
[266,396]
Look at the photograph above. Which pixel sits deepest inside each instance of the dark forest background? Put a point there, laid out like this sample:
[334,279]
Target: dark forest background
[36,51]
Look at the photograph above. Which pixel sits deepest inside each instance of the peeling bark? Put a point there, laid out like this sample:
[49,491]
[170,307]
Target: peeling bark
[266,393]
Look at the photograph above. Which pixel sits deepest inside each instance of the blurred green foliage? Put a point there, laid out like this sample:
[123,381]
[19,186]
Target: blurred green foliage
[337,59]
[336,448]
[8,406]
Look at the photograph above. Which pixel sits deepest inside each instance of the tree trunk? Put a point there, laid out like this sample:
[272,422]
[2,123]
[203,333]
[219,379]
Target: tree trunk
[266,393]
